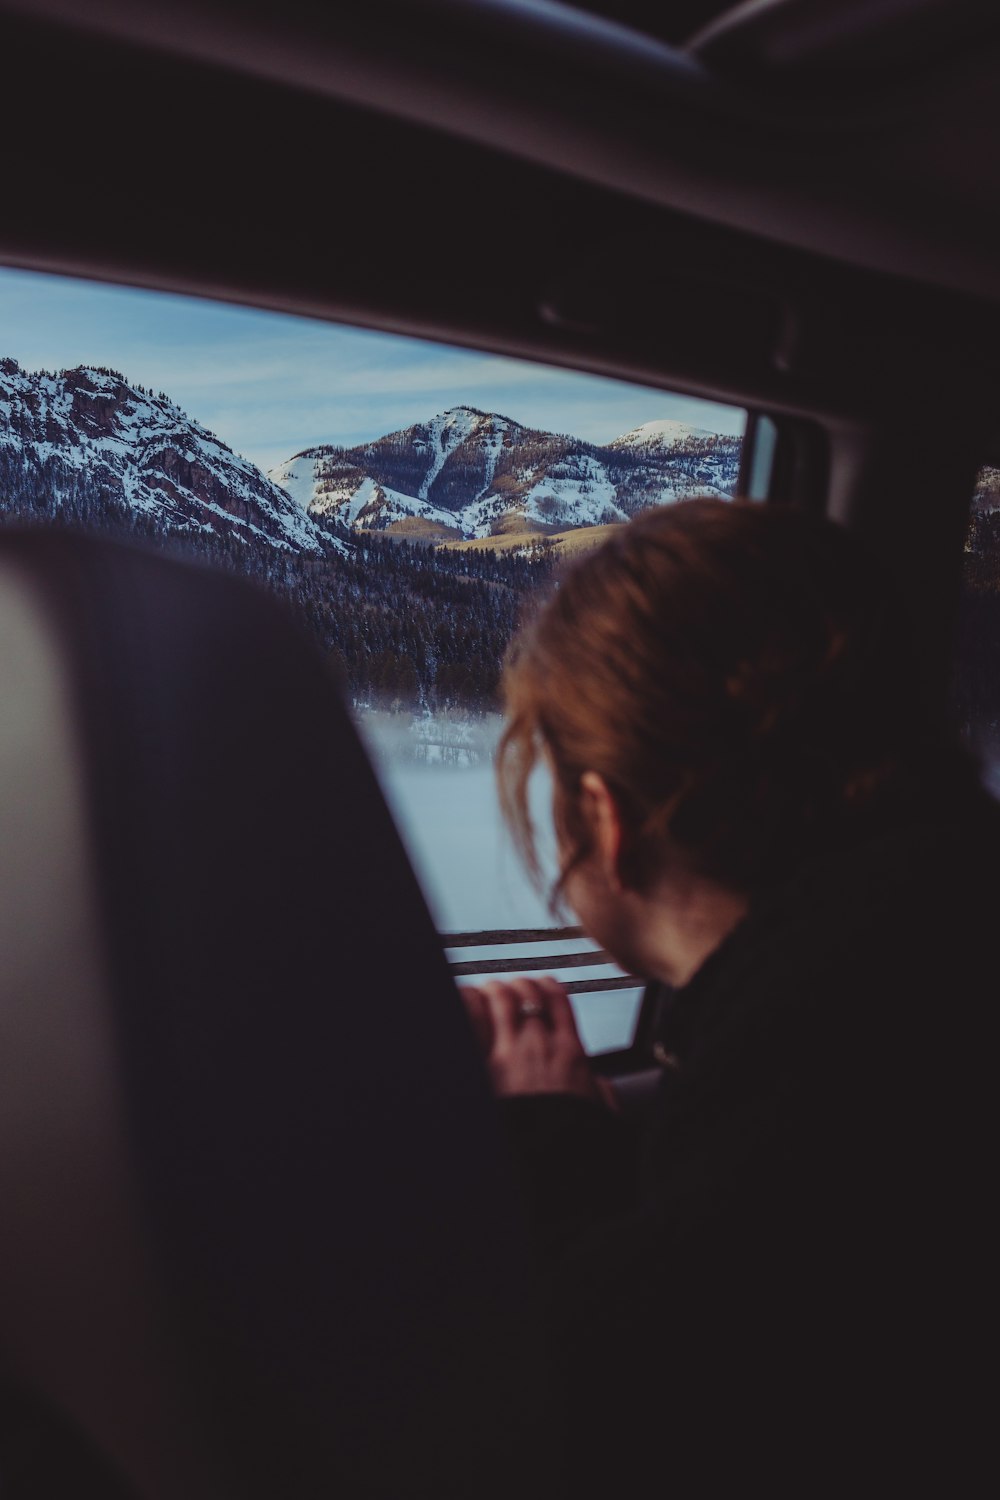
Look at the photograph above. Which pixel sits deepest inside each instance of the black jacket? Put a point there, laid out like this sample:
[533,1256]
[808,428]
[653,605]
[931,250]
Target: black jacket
[784,1281]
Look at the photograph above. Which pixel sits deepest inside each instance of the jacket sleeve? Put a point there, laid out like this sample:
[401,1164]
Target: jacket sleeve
[655,1296]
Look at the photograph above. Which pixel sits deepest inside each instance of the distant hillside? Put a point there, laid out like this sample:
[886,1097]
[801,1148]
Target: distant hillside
[471,474]
[556,545]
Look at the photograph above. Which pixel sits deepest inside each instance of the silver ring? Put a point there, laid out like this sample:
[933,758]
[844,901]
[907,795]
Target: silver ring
[530,1010]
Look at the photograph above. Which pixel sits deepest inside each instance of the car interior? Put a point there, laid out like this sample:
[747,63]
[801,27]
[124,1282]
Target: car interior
[248,1239]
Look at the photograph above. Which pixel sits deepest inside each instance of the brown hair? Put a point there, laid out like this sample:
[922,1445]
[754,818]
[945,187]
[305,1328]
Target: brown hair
[739,677]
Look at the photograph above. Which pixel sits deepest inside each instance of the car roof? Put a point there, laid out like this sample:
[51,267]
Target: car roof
[729,210]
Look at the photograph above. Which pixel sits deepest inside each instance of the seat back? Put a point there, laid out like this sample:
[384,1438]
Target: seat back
[259,1233]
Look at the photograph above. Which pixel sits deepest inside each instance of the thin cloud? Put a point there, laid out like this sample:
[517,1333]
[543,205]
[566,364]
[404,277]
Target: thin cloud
[271,385]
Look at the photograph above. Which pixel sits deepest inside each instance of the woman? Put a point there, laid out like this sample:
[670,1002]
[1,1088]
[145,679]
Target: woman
[757,811]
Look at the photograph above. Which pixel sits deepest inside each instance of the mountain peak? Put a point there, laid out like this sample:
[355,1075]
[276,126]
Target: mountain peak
[99,374]
[464,411]
[473,473]
[87,437]
[457,413]
[663,432]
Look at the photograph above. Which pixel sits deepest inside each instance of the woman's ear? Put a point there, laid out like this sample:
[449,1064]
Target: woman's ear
[604,820]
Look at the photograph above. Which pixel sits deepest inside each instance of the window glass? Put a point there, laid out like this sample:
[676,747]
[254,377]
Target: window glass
[977,659]
[406,499]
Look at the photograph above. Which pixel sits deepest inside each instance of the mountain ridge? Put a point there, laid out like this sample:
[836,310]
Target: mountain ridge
[472,473]
[86,439]
[86,442]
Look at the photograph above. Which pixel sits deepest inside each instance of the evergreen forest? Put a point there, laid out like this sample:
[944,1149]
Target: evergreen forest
[404,626]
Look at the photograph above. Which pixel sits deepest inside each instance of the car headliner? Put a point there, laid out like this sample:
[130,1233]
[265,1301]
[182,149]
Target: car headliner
[534,178]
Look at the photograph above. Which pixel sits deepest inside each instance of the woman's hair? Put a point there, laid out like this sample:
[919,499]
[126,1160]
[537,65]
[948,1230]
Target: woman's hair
[739,676]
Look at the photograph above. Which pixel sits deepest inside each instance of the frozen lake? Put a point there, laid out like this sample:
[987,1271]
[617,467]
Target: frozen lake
[449,819]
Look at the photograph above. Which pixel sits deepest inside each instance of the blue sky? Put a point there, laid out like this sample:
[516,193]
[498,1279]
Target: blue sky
[270,385]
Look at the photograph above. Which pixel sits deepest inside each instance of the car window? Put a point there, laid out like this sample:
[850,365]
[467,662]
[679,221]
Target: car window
[407,500]
[977,657]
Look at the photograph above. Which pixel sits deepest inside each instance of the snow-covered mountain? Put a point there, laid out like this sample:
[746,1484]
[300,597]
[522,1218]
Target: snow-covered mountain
[474,473]
[86,440]
[660,435]
[87,444]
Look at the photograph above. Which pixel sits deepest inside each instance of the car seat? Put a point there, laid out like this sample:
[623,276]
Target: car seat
[258,1232]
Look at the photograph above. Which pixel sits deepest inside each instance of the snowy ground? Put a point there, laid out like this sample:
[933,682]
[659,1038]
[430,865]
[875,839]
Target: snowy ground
[447,813]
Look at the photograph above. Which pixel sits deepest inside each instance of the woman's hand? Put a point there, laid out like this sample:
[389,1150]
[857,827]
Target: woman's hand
[528,1033]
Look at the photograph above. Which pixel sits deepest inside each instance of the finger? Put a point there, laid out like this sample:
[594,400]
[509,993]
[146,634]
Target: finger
[501,1003]
[533,994]
[560,1012]
[476,1010]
